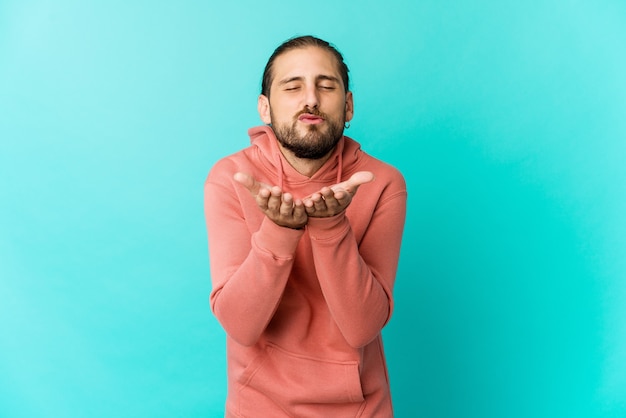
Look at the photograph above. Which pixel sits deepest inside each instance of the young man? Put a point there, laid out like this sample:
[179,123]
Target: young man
[302,266]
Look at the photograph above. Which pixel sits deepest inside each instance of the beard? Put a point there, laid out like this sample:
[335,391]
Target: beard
[316,142]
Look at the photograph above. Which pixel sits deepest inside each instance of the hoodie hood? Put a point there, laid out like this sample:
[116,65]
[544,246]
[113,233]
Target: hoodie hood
[341,164]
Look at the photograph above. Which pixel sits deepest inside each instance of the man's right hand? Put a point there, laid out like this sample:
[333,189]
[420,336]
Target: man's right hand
[280,207]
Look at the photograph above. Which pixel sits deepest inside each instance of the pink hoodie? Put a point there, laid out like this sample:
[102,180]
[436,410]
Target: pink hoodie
[303,309]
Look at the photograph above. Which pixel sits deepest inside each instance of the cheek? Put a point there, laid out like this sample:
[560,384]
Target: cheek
[284,110]
[281,116]
[339,107]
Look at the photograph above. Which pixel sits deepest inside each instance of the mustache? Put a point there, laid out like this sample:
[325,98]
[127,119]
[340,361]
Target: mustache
[311,111]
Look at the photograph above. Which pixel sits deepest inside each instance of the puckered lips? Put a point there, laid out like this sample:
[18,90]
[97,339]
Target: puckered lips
[310,119]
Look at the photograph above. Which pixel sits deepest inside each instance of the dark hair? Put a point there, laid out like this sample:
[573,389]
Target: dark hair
[302,42]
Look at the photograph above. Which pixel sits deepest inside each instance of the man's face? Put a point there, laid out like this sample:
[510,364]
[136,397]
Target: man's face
[308,105]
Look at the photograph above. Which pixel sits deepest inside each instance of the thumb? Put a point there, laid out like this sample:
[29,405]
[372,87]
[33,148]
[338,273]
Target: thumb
[354,181]
[247,181]
[360,177]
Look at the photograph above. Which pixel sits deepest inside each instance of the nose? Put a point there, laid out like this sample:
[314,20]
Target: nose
[311,96]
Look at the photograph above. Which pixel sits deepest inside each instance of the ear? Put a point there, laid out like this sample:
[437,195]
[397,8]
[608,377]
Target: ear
[349,106]
[263,107]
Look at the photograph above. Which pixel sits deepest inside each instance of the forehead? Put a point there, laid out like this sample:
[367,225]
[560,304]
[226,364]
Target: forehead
[305,62]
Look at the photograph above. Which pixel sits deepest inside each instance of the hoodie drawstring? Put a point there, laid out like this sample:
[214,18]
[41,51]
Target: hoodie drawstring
[281,174]
[339,166]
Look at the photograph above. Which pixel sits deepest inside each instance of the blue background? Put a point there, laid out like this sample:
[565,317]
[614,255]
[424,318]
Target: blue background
[507,118]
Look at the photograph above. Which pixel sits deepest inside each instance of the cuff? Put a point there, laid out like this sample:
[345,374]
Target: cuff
[280,241]
[321,229]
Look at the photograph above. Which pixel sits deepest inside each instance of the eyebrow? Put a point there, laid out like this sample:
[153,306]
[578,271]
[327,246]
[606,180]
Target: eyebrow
[327,78]
[318,78]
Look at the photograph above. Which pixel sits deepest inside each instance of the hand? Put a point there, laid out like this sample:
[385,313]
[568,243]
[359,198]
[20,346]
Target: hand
[280,207]
[330,201]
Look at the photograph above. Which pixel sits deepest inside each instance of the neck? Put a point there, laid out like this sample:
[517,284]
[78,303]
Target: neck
[304,166]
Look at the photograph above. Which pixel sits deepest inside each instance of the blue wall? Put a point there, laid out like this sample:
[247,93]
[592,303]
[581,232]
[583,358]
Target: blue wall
[507,118]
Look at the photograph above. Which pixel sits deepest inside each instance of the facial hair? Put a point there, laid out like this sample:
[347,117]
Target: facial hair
[316,142]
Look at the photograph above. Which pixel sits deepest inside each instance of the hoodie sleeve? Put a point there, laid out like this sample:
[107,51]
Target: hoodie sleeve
[249,269]
[357,278]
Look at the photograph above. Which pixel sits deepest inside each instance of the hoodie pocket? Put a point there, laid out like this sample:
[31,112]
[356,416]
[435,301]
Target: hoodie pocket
[291,379]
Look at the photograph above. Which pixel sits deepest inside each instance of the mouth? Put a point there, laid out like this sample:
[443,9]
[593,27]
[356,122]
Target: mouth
[310,119]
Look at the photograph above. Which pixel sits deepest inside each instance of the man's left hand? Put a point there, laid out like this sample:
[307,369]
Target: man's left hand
[330,201]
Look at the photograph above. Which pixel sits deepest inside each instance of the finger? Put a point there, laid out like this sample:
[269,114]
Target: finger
[308,205]
[311,202]
[326,192]
[318,202]
[331,198]
[299,211]
[342,199]
[274,201]
[314,199]
[262,198]
[286,206]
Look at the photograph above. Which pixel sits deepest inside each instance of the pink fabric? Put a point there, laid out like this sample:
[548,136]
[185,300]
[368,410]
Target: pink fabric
[303,309]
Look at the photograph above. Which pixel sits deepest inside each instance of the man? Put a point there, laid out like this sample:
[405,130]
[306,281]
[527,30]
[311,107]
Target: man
[303,267]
